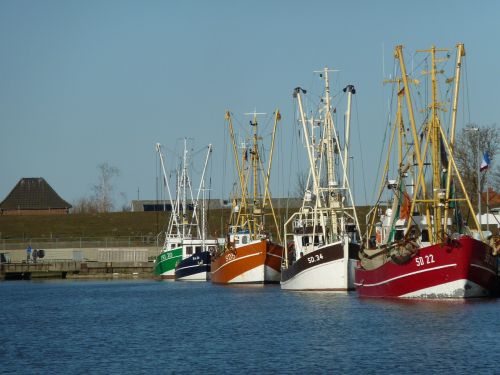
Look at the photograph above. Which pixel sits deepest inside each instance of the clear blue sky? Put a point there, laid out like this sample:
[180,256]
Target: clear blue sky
[87,82]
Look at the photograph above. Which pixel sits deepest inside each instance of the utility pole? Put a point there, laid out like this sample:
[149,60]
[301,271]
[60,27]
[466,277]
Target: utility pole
[477,164]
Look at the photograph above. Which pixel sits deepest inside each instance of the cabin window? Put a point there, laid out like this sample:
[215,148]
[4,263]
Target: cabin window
[354,237]
[399,235]
[198,249]
[425,235]
[316,240]
[244,239]
[172,246]
[305,240]
[189,250]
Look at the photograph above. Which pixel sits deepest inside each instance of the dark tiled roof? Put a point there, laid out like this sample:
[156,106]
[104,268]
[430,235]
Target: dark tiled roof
[33,194]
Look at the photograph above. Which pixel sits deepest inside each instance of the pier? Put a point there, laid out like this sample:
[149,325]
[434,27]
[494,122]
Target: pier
[75,270]
[78,263]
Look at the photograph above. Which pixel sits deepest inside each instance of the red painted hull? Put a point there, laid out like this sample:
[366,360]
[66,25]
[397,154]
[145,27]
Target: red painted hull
[256,263]
[460,269]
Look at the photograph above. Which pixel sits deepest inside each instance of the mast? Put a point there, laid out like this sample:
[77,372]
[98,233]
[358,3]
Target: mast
[201,189]
[350,91]
[253,218]
[383,182]
[173,216]
[436,155]
[267,193]
[330,145]
[277,117]
[239,170]
[458,66]
[310,152]
[420,163]
[435,140]
[329,139]
[440,200]
[256,212]
[183,188]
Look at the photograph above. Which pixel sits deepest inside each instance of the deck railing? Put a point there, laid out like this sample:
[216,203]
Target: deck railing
[77,242]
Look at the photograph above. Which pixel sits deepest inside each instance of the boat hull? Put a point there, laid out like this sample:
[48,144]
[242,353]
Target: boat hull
[256,263]
[194,268]
[462,268]
[166,262]
[322,269]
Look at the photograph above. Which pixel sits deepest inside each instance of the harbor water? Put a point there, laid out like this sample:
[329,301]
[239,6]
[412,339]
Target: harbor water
[147,327]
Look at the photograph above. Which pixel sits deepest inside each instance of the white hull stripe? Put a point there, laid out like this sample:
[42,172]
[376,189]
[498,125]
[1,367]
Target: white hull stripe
[307,270]
[196,265]
[274,255]
[406,275]
[236,259]
[164,260]
[199,276]
[305,281]
[259,274]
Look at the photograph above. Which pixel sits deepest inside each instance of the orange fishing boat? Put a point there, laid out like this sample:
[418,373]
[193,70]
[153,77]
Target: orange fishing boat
[257,261]
[249,254]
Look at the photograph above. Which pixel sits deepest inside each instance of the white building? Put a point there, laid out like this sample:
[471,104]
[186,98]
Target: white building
[492,218]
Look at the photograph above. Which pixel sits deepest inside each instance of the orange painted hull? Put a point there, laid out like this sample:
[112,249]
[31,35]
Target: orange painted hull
[257,263]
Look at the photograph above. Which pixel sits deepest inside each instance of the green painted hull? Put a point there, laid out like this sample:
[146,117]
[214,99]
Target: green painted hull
[166,261]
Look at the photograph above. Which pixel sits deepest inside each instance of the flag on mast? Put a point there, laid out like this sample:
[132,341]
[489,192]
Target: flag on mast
[485,163]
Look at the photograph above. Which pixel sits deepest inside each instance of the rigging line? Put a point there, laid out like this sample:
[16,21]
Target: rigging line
[424,60]
[224,168]
[463,96]
[281,173]
[267,125]
[241,132]
[294,147]
[467,87]
[207,214]
[383,148]
[361,151]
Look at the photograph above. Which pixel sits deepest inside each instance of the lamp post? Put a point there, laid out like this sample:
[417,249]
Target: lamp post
[478,162]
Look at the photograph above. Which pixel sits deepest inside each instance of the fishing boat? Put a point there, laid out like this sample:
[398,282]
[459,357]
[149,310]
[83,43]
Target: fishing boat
[322,237]
[186,250]
[418,245]
[249,254]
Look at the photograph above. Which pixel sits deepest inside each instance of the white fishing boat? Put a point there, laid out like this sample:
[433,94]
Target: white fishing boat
[322,237]
[186,251]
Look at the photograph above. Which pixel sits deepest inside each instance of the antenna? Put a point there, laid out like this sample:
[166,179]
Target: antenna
[383,60]
[253,122]
[255,113]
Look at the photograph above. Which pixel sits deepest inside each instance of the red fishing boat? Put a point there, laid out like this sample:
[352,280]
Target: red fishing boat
[421,247]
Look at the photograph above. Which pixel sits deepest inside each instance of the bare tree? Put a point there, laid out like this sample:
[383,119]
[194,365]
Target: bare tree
[84,205]
[103,190]
[301,184]
[470,146]
[126,207]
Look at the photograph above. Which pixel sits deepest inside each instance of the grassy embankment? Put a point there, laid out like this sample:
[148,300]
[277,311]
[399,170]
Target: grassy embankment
[109,225]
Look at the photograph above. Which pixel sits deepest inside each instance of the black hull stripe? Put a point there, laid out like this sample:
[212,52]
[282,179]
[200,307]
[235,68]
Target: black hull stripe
[196,263]
[326,254]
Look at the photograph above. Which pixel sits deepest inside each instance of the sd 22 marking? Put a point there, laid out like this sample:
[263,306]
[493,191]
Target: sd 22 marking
[426,259]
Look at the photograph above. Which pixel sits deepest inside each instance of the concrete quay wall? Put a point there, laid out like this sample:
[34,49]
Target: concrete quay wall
[77,263]
[90,254]
[76,270]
